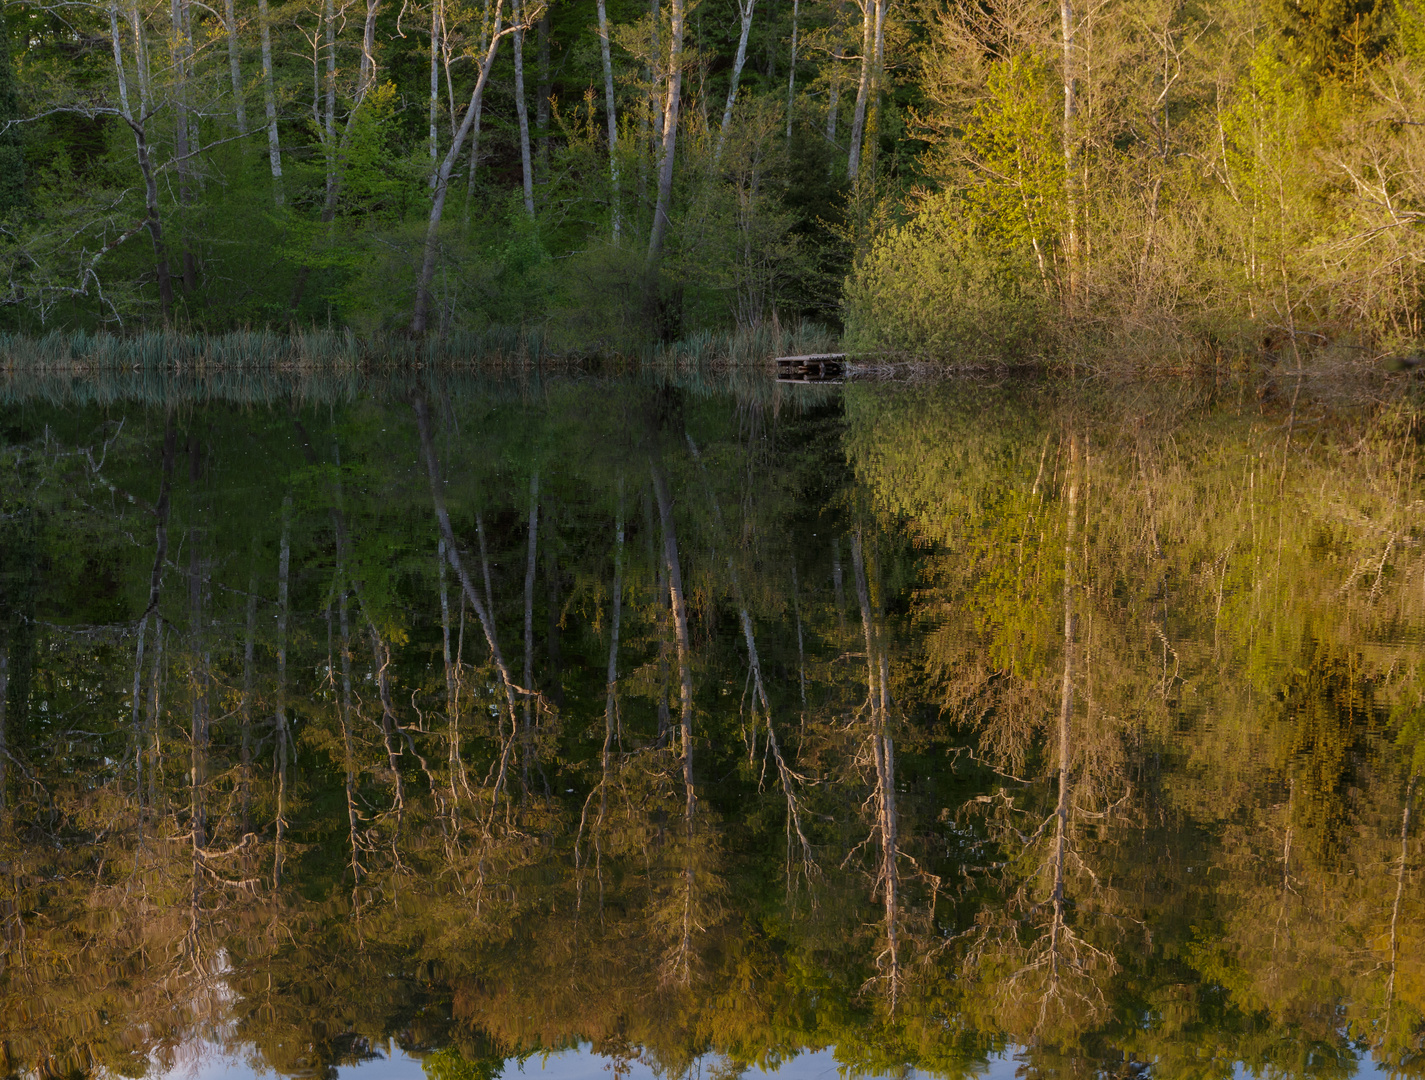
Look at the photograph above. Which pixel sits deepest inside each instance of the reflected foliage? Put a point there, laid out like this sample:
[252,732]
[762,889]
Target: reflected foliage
[1074,722]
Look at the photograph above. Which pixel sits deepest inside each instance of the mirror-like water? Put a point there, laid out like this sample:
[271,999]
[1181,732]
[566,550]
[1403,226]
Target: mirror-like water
[675,728]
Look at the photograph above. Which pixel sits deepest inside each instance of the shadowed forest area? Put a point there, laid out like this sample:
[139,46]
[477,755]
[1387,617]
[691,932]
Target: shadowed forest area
[1166,182]
[494,716]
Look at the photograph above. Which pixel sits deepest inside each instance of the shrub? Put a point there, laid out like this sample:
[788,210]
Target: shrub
[932,285]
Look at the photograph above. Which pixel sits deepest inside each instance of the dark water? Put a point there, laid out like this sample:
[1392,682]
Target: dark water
[953,730]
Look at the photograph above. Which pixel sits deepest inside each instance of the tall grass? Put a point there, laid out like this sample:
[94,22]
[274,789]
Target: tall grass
[261,367]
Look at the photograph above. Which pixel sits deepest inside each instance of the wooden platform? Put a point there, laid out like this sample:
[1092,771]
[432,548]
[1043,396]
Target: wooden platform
[814,368]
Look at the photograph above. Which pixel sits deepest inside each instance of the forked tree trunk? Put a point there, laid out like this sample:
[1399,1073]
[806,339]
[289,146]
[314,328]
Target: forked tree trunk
[482,612]
[745,9]
[437,210]
[150,181]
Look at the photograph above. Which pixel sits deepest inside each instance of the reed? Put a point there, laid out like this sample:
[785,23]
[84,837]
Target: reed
[260,367]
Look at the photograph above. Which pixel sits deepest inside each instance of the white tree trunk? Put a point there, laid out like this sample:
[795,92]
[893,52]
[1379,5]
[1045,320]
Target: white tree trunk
[329,110]
[745,8]
[612,118]
[269,96]
[367,77]
[1071,201]
[670,137]
[522,110]
[235,64]
[437,209]
[863,90]
[435,19]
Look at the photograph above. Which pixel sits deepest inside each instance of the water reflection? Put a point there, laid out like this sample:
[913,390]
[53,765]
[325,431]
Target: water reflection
[934,724]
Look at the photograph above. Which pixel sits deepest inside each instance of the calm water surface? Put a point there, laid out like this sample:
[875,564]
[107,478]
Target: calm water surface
[580,727]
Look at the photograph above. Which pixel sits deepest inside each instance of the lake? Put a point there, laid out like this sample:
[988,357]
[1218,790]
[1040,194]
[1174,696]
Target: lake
[442,725]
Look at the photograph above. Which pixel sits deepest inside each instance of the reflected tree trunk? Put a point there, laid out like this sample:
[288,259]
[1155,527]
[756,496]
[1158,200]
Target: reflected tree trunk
[683,958]
[527,735]
[155,708]
[1405,815]
[611,683]
[1066,712]
[245,706]
[353,816]
[4,740]
[452,717]
[199,687]
[381,657]
[660,621]
[155,587]
[284,561]
[680,627]
[883,757]
[554,679]
[801,646]
[483,613]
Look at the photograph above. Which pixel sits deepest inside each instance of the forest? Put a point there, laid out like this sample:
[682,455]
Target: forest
[489,721]
[974,179]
